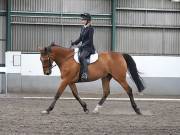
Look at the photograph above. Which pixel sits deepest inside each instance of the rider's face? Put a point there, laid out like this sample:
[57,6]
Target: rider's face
[84,22]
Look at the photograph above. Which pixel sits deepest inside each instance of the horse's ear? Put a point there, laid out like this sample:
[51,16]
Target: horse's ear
[45,49]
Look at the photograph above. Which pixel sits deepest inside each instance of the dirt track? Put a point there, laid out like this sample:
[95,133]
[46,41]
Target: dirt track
[22,117]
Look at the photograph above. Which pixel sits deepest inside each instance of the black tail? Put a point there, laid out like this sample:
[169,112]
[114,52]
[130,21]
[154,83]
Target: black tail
[134,72]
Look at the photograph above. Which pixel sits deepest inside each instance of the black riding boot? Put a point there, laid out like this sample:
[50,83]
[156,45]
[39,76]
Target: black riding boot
[84,76]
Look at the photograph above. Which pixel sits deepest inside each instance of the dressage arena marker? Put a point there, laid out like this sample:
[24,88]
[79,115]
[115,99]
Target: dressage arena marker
[110,99]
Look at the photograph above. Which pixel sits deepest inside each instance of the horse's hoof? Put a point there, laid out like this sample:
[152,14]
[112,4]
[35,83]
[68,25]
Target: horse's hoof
[44,112]
[138,112]
[95,111]
[86,111]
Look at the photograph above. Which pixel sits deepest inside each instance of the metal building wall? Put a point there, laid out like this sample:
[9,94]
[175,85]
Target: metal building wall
[148,27]
[142,27]
[37,23]
[2,31]
[2,40]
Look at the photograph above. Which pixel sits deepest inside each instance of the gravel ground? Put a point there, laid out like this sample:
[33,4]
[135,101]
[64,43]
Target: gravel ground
[20,116]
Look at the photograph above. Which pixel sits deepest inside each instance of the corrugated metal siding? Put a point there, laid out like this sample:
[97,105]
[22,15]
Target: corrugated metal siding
[139,41]
[2,27]
[30,31]
[28,38]
[2,52]
[37,5]
[2,39]
[132,3]
[102,39]
[172,42]
[148,18]
[159,19]
[3,5]
[91,6]
[69,33]
[163,18]
[167,4]
[150,4]
[56,20]
[130,18]
[155,4]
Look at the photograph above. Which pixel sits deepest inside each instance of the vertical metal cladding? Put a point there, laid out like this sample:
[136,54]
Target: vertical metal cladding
[2,39]
[27,38]
[130,18]
[148,27]
[132,3]
[33,30]
[3,5]
[2,52]
[37,5]
[139,40]
[69,33]
[102,38]
[172,42]
[91,6]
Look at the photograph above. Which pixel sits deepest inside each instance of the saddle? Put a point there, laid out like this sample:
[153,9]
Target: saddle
[93,57]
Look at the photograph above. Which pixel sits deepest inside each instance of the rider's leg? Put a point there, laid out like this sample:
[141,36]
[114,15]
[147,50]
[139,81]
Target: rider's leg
[83,62]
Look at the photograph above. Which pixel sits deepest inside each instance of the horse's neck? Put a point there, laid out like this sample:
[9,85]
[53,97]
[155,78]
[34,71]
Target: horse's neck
[60,54]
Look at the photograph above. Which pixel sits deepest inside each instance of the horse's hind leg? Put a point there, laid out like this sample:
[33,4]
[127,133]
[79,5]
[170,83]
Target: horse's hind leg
[128,89]
[75,93]
[106,92]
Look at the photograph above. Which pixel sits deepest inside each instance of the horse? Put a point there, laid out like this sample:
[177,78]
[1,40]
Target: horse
[109,65]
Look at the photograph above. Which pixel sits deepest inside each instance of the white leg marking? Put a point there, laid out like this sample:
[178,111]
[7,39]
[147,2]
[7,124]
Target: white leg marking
[96,109]
[44,112]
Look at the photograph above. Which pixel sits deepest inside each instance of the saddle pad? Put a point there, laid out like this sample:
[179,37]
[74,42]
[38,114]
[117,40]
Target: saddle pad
[93,57]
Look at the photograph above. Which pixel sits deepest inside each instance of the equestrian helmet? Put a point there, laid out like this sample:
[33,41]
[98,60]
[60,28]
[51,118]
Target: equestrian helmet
[86,16]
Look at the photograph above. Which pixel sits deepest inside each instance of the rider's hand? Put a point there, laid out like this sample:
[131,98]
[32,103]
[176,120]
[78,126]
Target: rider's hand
[72,43]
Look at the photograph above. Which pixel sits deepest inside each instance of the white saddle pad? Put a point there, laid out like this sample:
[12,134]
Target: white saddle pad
[93,57]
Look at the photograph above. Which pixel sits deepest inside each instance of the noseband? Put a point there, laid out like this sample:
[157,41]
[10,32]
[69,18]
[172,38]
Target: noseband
[51,66]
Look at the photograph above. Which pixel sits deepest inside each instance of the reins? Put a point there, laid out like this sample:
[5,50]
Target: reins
[52,66]
[69,57]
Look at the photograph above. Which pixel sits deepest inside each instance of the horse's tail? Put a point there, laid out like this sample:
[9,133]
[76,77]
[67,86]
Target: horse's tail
[134,72]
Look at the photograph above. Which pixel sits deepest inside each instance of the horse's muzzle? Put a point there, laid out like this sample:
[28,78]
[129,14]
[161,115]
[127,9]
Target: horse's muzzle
[47,72]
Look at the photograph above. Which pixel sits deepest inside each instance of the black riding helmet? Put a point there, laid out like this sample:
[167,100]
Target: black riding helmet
[86,16]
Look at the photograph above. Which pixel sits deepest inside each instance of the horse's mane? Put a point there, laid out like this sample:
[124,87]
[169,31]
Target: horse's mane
[53,44]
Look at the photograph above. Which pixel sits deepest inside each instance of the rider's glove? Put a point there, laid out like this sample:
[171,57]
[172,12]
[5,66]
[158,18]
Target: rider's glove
[72,43]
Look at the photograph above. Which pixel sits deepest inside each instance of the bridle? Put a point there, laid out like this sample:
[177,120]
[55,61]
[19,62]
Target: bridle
[50,65]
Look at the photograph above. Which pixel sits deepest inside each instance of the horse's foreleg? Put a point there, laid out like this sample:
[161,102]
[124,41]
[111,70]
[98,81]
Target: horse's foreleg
[75,93]
[58,94]
[106,92]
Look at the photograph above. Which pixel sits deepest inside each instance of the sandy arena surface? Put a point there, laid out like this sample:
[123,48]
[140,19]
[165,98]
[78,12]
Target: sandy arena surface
[20,116]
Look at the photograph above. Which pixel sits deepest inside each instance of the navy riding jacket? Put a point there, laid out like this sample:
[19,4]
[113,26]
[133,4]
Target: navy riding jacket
[86,37]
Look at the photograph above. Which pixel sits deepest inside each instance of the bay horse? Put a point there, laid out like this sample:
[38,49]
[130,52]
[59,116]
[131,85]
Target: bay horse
[109,65]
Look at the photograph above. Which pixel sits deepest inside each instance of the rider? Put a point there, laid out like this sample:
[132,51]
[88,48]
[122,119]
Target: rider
[87,47]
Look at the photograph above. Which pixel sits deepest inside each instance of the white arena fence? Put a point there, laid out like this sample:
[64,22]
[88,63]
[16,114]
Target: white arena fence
[28,64]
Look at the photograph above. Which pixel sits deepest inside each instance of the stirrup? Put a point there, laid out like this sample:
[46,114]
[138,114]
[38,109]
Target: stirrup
[84,76]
